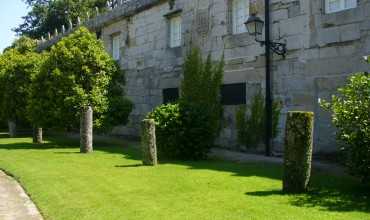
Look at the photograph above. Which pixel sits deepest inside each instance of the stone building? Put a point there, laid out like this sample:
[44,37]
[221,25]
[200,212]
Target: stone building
[326,40]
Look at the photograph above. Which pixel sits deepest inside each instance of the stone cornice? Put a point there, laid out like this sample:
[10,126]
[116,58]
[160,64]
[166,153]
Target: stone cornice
[119,12]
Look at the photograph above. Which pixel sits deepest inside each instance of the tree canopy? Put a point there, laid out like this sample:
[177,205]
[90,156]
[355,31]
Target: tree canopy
[80,73]
[47,15]
[18,64]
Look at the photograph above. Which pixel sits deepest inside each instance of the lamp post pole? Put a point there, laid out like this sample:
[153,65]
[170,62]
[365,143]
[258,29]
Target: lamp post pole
[268,96]
[255,26]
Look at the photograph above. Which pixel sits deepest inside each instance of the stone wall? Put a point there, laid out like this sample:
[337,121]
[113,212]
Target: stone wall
[323,49]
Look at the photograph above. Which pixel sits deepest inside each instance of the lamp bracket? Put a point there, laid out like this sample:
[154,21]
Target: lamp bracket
[277,47]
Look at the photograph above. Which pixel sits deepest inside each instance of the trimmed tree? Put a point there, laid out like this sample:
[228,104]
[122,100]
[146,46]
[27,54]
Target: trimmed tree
[200,104]
[187,130]
[18,65]
[298,151]
[82,73]
[41,106]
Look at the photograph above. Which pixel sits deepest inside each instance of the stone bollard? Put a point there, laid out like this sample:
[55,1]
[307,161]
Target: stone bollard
[12,126]
[148,142]
[298,151]
[37,135]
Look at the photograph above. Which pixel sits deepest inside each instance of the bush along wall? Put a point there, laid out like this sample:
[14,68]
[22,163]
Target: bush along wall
[298,151]
[168,127]
[250,121]
[351,116]
[187,130]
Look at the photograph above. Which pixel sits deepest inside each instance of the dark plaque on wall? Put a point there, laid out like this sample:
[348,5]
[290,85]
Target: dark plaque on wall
[170,95]
[234,94]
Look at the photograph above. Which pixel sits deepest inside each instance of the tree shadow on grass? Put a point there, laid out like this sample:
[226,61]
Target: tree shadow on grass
[330,194]
[115,146]
[327,192]
[130,166]
[4,135]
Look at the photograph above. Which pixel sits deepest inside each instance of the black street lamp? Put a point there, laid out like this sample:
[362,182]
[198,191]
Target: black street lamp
[255,27]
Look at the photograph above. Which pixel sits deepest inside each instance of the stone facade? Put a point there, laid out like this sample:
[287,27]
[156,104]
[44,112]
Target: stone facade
[323,49]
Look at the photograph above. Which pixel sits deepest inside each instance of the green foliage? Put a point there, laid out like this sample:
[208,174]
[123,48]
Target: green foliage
[80,73]
[298,151]
[119,106]
[187,130]
[43,98]
[168,127]
[351,116]
[47,15]
[200,90]
[23,45]
[250,121]
[18,64]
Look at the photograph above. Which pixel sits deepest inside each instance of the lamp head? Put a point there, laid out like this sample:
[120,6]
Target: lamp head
[254,25]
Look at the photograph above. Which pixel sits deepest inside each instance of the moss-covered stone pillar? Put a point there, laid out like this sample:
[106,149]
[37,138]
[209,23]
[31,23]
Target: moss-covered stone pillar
[37,135]
[298,151]
[148,142]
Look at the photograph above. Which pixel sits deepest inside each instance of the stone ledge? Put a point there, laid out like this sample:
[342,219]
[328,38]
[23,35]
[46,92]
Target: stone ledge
[126,10]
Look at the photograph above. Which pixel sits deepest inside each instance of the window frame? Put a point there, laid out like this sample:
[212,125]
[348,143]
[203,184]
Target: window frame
[343,6]
[175,38]
[234,16]
[116,39]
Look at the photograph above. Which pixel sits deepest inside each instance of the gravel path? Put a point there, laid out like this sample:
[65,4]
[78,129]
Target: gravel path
[245,157]
[14,202]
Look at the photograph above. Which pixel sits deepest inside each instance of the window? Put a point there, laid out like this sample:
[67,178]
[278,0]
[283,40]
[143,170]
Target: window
[170,95]
[175,31]
[240,14]
[116,47]
[332,6]
[234,94]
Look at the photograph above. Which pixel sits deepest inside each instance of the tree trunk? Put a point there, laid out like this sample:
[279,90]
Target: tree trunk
[12,128]
[148,142]
[37,135]
[86,130]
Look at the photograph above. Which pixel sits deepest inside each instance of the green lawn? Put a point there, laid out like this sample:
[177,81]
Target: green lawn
[111,184]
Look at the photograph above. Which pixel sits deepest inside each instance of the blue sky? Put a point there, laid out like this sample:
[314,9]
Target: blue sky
[11,12]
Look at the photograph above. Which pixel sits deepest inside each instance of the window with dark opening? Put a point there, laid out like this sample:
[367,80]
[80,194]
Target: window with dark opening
[98,34]
[170,95]
[233,94]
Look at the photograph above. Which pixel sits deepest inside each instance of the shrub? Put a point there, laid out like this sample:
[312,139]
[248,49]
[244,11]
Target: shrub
[187,130]
[183,131]
[167,121]
[351,116]
[198,131]
[298,151]
[250,122]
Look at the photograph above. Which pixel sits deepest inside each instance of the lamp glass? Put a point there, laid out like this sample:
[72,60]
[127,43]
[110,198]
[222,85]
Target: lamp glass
[254,25]
[251,27]
[259,26]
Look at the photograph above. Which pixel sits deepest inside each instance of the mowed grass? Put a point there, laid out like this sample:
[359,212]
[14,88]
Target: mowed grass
[111,184]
